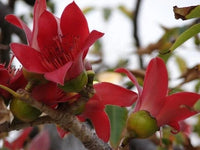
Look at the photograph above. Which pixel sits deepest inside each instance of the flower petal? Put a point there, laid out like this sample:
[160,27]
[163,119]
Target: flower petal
[39,8]
[101,124]
[19,142]
[28,57]
[177,107]
[45,93]
[20,24]
[40,141]
[47,30]
[58,76]
[131,77]
[155,87]
[73,24]
[111,94]
[93,36]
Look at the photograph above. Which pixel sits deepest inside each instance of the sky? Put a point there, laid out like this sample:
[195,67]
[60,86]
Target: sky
[118,30]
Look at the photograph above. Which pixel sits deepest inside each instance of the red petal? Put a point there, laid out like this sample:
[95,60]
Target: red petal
[40,142]
[18,81]
[155,87]
[61,132]
[73,23]
[45,93]
[111,94]
[28,57]
[131,77]
[5,77]
[47,30]
[19,142]
[39,8]
[19,23]
[177,108]
[58,75]
[93,36]
[101,124]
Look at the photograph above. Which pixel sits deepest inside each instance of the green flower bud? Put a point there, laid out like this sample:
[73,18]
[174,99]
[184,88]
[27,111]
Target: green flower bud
[76,84]
[23,111]
[141,124]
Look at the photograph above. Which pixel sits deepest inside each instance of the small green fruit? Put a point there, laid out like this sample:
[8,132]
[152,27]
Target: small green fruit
[141,124]
[23,111]
[76,84]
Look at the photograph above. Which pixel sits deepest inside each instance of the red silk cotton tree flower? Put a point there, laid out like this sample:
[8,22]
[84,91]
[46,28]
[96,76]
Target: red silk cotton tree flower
[57,47]
[154,108]
[106,94]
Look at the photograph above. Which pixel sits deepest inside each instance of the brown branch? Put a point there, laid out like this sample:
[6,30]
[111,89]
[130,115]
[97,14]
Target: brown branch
[68,122]
[5,34]
[7,127]
[135,31]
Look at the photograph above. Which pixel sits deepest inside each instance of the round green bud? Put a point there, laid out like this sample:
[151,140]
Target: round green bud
[76,84]
[141,124]
[23,111]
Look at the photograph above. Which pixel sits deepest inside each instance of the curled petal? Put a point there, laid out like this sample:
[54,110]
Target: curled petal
[155,87]
[58,75]
[19,23]
[177,107]
[111,94]
[131,77]
[28,57]
[176,127]
[93,36]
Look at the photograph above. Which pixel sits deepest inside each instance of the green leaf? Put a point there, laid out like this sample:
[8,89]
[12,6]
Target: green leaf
[181,64]
[126,11]
[107,13]
[87,9]
[197,106]
[197,87]
[194,13]
[192,31]
[118,117]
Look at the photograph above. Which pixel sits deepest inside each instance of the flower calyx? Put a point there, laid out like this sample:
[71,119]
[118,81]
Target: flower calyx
[75,84]
[141,124]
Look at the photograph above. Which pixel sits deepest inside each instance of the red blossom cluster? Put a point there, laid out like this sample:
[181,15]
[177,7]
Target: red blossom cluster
[55,58]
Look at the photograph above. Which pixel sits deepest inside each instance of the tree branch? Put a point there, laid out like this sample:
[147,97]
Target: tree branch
[68,122]
[135,31]
[7,127]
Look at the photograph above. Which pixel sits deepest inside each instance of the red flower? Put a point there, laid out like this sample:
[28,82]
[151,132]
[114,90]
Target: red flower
[167,110]
[19,142]
[106,94]
[12,79]
[56,47]
[50,94]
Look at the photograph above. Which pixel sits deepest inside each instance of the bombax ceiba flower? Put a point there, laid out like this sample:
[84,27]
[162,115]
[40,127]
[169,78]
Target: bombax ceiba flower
[57,47]
[154,107]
